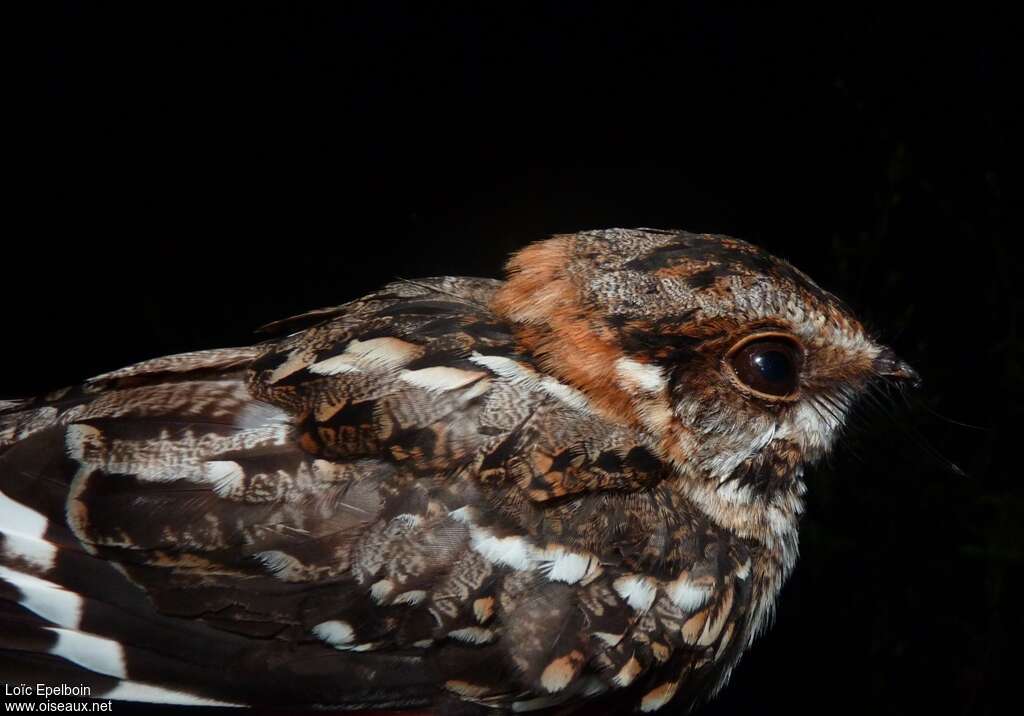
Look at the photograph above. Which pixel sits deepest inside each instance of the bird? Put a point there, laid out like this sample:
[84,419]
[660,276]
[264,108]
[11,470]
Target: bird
[577,489]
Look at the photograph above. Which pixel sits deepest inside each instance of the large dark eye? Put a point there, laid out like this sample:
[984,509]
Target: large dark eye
[768,364]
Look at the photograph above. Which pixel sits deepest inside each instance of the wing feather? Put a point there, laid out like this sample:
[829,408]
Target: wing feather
[391,507]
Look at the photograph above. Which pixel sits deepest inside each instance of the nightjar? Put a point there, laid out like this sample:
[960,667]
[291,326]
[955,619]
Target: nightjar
[577,487]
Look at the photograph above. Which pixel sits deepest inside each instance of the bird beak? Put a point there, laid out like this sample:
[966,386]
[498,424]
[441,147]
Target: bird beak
[888,365]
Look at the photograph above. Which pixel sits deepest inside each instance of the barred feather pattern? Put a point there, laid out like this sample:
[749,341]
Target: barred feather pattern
[400,506]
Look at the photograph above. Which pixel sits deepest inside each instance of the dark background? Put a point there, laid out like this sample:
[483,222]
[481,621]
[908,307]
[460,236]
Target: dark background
[191,171]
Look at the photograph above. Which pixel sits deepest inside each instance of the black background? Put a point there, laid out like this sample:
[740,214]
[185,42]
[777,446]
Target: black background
[191,171]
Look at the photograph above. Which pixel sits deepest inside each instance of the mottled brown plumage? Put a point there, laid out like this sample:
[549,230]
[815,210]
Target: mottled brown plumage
[579,485]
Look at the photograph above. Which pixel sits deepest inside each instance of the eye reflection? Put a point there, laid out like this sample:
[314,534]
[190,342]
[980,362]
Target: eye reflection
[769,365]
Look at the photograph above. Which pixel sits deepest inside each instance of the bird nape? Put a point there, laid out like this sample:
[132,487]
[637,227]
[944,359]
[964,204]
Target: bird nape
[577,486]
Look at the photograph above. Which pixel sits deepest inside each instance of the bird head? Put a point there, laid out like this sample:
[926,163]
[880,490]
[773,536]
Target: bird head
[739,366]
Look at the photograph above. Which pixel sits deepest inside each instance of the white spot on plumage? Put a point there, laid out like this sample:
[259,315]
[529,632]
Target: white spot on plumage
[629,671]
[40,554]
[743,571]
[148,693]
[555,562]
[505,367]
[281,564]
[473,635]
[519,374]
[608,638]
[50,601]
[82,442]
[511,552]
[638,591]
[375,354]
[381,590]
[639,376]
[440,378]
[296,361]
[335,632]
[335,365]
[104,656]
[407,519]
[687,595]
[412,597]
[463,514]
[385,351]
[226,476]
[17,520]
[561,565]
[568,395]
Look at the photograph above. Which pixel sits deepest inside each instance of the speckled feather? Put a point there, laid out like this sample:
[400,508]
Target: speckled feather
[521,495]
